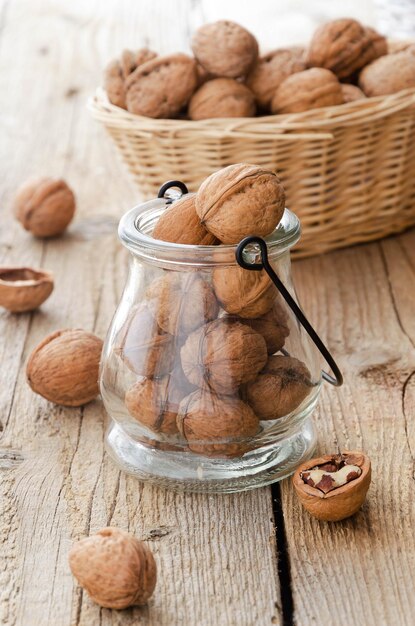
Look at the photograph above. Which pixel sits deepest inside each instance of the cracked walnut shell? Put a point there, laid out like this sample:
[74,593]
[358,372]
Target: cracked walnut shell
[344,46]
[161,87]
[225,49]
[311,89]
[181,302]
[23,288]
[222,97]
[216,426]
[240,200]
[243,292]
[181,224]
[44,206]
[280,388]
[389,74]
[222,355]
[114,568]
[64,367]
[343,481]
[271,69]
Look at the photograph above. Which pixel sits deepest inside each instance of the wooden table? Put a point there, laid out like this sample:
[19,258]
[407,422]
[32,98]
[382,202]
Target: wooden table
[249,559]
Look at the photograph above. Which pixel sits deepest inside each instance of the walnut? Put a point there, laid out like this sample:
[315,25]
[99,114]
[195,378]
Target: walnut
[344,46]
[280,388]
[162,87]
[64,367]
[181,302]
[221,97]
[389,74]
[130,60]
[144,347]
[311,89]
[114,568]
[243,292]
[114,84]
[225,49]
[351,93]
[155,403]
[181,224]
[394,46]
[222,355]
[44,206]
[273,326]
[240,200]
[217,426]
[24,288]
[271,69]
[333,487]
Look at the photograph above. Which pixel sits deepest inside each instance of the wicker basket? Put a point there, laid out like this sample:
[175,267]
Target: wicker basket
[349,171]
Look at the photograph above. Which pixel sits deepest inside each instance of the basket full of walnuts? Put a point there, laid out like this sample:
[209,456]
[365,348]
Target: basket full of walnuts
[336,118]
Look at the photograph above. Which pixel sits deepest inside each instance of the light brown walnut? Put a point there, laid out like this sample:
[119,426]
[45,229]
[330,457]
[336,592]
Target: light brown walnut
[389,74]
[181,224]
[351,93]
[222,355]
[131,59]
[222,97]
[311,89]
[271,69]
[243,292]
[240,200]
[273,326]
[114,84]
[225,49]
[161,87]
[217,426]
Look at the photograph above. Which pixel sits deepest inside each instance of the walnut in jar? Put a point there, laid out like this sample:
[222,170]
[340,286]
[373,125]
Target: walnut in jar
[243,292]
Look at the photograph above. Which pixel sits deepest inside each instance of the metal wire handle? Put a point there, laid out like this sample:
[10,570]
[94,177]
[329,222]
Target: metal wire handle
[169,185]
[335,380]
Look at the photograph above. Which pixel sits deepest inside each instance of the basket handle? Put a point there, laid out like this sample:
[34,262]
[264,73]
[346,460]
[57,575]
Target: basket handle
[337,379]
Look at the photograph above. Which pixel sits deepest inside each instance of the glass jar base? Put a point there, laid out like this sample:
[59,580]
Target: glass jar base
[185,471]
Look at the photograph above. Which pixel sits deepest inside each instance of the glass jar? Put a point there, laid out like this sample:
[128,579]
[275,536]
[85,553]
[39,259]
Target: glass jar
[208,377]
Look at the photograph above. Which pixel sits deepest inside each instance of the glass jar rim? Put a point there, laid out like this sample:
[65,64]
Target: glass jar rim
[136,225]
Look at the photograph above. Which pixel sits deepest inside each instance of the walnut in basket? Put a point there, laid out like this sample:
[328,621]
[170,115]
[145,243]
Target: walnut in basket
[222,97]
[389,74]
[162,87]
[271,69]
[225,49]
[351,93]
[344,46]
[117,71]
[311,89]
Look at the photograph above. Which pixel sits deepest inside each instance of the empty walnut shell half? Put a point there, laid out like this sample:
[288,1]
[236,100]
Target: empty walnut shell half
[343,481]
[225,49]
[389,74]
[344,46]
[222,355]
[44,206]
[240,200]
[161,87]
[280,387]
[216,426]
[181,224]
[181,302]
[271,69]
[243,292]
[114,568]
[23,288]
[222,97]
[311,89]
[145,348]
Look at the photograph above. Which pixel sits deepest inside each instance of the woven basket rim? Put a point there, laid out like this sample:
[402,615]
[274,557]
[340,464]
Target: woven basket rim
[352,113]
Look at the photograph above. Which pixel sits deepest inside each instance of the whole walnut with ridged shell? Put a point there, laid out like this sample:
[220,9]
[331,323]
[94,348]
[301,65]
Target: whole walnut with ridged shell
[311,89]
[225,49]
[143,346]
[161,87]
[181,224]
[240,200]
[181,302]
[222,97]
[389,74]
[114,568]
[216,426]
[242,292]
[344,46]
[280,387]
[118,70]
[64,367]
[351,93]
[222,355]
[44,206]
[273,326]
[271,69]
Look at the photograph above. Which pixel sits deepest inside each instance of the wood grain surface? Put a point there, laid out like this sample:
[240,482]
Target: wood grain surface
[247,559]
